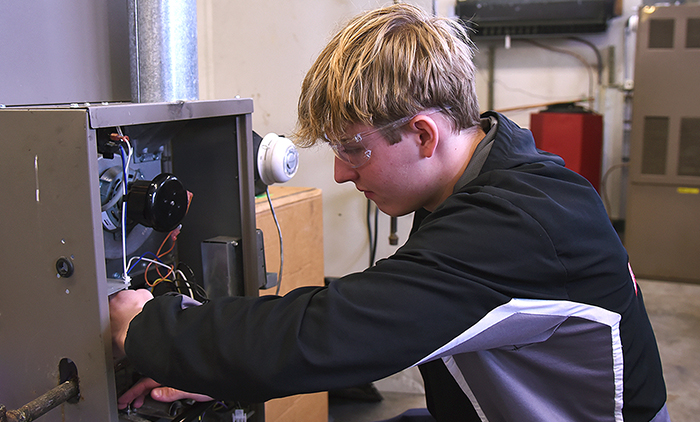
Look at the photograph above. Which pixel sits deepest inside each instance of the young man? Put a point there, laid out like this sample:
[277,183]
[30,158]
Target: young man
[513,293]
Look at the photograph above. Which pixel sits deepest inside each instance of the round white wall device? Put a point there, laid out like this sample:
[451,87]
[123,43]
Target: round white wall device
[278,159]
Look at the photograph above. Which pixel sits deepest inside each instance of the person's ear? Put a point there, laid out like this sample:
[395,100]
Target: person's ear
[427,133]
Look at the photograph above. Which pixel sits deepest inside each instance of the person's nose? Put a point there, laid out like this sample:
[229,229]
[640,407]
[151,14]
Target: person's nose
[343,172]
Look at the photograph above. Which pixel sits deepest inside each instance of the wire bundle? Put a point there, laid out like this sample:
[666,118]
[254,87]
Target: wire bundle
[126,157]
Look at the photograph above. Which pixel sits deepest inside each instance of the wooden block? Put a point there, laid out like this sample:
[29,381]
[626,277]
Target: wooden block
[300,215]
[301,408]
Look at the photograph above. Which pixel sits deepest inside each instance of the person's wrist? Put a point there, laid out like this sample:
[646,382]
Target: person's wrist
[119,345]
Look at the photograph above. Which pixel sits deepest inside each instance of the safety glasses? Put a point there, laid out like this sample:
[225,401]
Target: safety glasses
[355,150]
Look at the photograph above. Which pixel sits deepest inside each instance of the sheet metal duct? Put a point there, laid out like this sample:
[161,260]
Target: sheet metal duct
[163,50]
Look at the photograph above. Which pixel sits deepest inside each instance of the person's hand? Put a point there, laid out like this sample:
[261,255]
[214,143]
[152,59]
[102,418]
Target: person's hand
[123,307]
[137,394]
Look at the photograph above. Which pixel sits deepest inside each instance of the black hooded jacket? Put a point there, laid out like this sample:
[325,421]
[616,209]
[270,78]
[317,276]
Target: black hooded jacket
[519,268]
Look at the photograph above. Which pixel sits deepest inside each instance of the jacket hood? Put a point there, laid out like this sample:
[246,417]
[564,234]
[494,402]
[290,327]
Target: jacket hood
[514,146]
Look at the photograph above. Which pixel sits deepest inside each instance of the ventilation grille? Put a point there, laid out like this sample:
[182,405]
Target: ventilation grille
[491,18]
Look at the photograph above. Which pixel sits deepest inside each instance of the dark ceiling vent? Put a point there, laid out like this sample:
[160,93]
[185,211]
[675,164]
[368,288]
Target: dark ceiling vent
[495,18]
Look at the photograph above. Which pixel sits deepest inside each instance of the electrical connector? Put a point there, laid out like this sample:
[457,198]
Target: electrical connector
[239,415]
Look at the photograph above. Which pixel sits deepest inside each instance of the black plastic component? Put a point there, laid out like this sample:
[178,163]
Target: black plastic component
[160,203]
[260,186]
[160,410]
[64,267]
[109,147]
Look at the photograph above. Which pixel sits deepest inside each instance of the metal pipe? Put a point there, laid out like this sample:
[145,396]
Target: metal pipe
[43,404]
[491,78]
[393,237]
[163,50]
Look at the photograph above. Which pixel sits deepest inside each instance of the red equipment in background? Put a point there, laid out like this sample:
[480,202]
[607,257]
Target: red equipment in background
[573,133]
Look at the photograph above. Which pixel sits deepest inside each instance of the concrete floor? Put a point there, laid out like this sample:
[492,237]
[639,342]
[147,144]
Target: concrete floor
[674,310]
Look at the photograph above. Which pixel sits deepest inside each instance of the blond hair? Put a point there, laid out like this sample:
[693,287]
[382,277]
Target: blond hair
[384,65]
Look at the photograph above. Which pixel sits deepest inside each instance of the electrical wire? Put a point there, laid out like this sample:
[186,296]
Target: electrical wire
[194,289]
[598,56]
[190,281]
[372,235]
[139,259]
[171,269]
[173,236]
[126,160]
[279,235]
[157,262]
[572,54]
[128,266]
[604,181]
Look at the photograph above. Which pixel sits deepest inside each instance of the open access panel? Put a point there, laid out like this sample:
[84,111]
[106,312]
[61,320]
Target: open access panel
[186,172]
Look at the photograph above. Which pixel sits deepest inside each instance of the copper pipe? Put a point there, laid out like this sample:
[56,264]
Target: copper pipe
[43,404]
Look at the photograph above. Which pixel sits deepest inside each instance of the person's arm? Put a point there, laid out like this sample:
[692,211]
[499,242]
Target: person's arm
[123,307]
[451,272]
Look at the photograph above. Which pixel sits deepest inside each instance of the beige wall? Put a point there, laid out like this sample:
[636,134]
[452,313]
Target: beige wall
[262,50]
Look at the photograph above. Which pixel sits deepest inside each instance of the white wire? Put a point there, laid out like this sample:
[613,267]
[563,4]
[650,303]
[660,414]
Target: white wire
[127,279]
[154,261]
[125,177]
[279,234]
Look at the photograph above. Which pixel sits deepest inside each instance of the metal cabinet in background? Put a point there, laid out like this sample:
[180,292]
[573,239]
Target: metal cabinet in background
[662,231]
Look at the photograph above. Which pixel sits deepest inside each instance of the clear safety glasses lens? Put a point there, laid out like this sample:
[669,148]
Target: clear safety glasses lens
[354,151]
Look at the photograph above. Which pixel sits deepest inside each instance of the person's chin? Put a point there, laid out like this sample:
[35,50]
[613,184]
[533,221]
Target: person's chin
[389,210]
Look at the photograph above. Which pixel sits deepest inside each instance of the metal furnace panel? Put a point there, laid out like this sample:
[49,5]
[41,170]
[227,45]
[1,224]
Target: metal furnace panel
[52,213]
[662,232]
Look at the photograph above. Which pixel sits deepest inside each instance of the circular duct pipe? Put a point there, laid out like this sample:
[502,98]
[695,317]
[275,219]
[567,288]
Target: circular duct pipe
[163,50]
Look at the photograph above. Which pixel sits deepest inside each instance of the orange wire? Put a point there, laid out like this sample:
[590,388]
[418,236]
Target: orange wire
[173,234]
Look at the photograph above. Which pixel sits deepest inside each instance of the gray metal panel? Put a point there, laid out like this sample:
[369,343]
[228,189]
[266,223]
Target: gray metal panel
[663,235]
[662,232]
[247,204]
[64,51]
[50,209]
[205,158]
[131,114]
[665,85]
[221,267]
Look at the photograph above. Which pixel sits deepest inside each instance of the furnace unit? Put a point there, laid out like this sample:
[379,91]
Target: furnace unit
[662,232]
[64,172]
